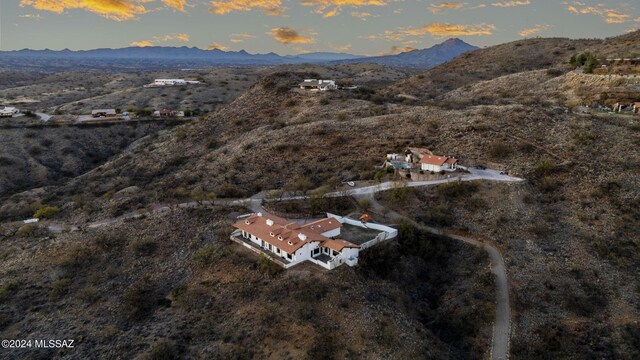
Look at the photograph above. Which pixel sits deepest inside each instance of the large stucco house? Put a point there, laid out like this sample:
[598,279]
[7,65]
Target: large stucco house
[291,243]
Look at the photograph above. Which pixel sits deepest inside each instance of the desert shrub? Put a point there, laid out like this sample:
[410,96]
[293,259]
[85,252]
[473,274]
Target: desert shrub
[544,167]
[140,299]
[6,161]
[498,150]
[539,228]
[59,288]
[46,143]
[380,260]
[229,190]
[207,256]
[267,266]
[325,101]
[110,240]
[143,246]
[7,290]
[456,190]
[181,134]
[162,350]
[46,212]
[76,257]
[35,150]
[555,72]
[88,295]
[291,103]
[439,215]
[178,293]
[201,196]
[399,193]
[212,143]
[548,184]
[583,137]
[27,230]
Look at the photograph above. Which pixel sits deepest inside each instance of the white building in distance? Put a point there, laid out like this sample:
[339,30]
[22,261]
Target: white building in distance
[171,82]
[8,111]
[318,85]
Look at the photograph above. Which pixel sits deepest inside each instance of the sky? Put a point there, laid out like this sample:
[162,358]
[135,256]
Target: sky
[363,27]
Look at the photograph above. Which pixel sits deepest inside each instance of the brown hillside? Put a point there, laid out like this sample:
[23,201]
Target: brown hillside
[509,58]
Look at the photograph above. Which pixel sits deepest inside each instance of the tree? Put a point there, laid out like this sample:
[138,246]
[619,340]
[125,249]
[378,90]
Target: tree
[46,212]
[201,196]
[364,204]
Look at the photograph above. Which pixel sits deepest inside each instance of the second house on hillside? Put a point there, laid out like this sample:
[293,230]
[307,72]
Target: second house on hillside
[438,163]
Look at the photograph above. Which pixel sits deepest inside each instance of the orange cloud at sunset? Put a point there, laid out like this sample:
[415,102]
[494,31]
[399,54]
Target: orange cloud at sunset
[329,8]
[442,30]
[118,10]
[160,39]
[269,7]
[287,36]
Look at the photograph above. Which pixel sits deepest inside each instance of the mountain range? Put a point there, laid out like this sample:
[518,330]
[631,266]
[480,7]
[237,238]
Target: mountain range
[165,57]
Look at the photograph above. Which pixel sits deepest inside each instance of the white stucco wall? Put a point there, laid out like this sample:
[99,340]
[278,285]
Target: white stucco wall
[429,167]
[332,233]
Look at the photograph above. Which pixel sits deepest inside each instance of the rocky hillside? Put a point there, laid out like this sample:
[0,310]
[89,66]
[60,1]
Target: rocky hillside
[510,58]
[34,156]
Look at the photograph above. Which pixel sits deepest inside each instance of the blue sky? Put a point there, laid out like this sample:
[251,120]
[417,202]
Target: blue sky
[367,27]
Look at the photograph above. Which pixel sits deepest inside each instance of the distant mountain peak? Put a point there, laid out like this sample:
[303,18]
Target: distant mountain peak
[421,58]
[453,41]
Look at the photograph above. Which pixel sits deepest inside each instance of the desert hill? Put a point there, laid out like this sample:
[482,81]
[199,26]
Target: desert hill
[510,58]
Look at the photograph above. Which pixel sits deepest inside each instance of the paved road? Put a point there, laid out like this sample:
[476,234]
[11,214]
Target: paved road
[44,117]
[502,326]
[475,174]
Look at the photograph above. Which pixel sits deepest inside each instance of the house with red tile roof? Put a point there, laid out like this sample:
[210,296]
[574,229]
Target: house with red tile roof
[292,243]
[438,163]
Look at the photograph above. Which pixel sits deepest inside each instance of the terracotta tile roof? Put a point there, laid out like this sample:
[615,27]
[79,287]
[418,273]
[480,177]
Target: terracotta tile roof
[290,237]
[322,225]
[437,160]
[338,245]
